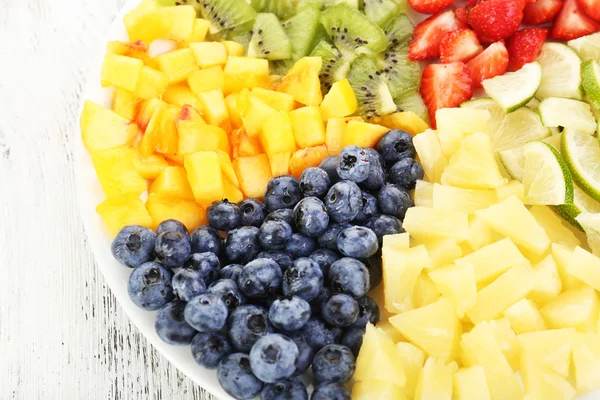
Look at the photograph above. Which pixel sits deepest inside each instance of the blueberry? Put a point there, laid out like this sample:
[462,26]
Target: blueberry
[172,225]
[231,271]
[207,264]
[288,389]
[375,267]
[384,225]
[328,239]
[246,325]
[357,242]
[394,200]
[340,310]
[273,357]
[206,313]
[300,246]
[134,245]
[253,212]
[377,176]
[305,352]
[273,235]
[149,286]
[209,348]
[349,276]
[324,295]
[282,192]
[304,279]
[353,339]
[260,278]
[314,182]
[369,209]
[343,201]
[236,377]
[242,245]
[283,214]
[228,291]
[353,164]
[330,165]
[396,145]
[172,248]
[324,257]
[281,257]
[330,391]
[171,326]
[318,334]
[368,312]
[406,173]
[333,363]
[188,283]
[310,217]
[224,215]
[289,313]
[205,239]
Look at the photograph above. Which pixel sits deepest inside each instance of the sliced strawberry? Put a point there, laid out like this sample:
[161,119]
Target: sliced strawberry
[430,6]
[461,15]
[459,45]
[494,20]
[445,86]
[572,22]
[524,46]
[471,3]
[491,62]
[591,8]
[542,11]
[429,33]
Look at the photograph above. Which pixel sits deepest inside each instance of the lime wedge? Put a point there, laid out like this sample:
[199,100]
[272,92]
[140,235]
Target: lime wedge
[514,89]
[567,113]
[561,75]
[590,78]
[513,161]
[546,177]
[591,226]
[582,203]
[588,46]
[582,154]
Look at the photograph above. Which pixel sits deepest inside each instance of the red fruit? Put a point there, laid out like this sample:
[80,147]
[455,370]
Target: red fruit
[542,11]
[461,15]
[591,8]
[524,46]
[430,6]
[471,3]
[429,33]
[494,20]
[445,86]
[572,22]
[491,62]
[459,45]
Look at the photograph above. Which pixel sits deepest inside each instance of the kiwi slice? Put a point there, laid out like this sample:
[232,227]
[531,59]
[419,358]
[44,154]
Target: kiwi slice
[324,4]
[269,39]
[241,34]
[334,66]
[280,67]
[382,11]
[301,30]
[402,75]
[194,3]
[399,31]
[352,32]
[226,14]
[412,101]
[372,92]
[284,9]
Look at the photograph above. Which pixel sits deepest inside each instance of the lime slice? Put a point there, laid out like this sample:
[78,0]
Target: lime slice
[582,203]
[514,89]
[508,131]
[568,113]
[582,154]
[591,226]
[588,46]
[590,78]
[546,177]
[561,75]
[533,104]
[513,160]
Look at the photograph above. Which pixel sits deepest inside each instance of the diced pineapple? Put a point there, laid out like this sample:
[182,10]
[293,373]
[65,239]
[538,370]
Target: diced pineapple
[245,72]
[470,384]
[234,113]
[554,227]
[232,193]
[434,328]
[430,222]
[586,267]
[121,71]
[406,120]
[424,293]
[151,83]
[205,176]
[103,129]
[457,282]
[527,233]
[173,182]
[542,383]
[204,80]
[180,95]
[254,112]
[400,241]
[306,158]
[563,256]
[254,173]
[234,48]
[385,326]
[480,234]
[308,127]
[144,22]
[277,100]
[209,54]
[122,211]
[362,134]
[424,194]
[302,81]
[435,380]
[463,200]
[149,167]
[473,165]
[552,348]
[547,282]
[586,362]
[454,123]
[277,135]
[280,163]
[213,105]
[116,172]
[178,21]
[525,317]
[177,64]
[441,251]
[480,347]
[401,268]
[512,188]
[412,359]
[162,207]
[125,104]
[576,308]
[340,101]
[377,390]
[507,340]
[199,30]
[431,155]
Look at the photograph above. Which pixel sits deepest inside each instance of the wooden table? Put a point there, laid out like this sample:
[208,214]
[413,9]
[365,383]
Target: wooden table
[62,334]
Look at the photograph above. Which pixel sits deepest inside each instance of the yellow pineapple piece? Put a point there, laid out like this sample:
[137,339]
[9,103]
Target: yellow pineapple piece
[586,267]
[162,207]
[151,83]
[512,188]
[277,100]
[302,81]
[205,176]
[180,95]
[464,200]
[173,182]
[406,120]
[362,134]
[412,359]
[399,241]
[254,112]
[507,340]
[306,158]
[213,105]
[103,129]
[525,317]
[280,163]
[308,127]
[178,22]
[424,194]
[195,137]
[552,348]
[453,124]
[234,48]
[209,54]
[430,222]
[254,173]
[470,384]
[277,135]
[340,101]
[431,155]
[377,390]
[116,172]
[234,113]
[144,22]
[149,167]
[441,251]
[245,72]
[204,80]
[554,226]
[563,256]
[480,234]
[199,30]
[125,104]
[177,64]
[401,268]
[457,282]
[542,383]
[124,210]
[435,380]
[232,193]
[548,284]
[576,308]
[586,362]
[424,293]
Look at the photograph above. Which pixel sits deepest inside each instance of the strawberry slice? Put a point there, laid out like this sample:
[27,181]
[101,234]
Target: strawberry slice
[429,33]
[524,46]
[494,20]
[471,3]
[491,62]
[542,11]
[459,45]
[445,86]
[591,8]
[430,6]
[572,22]
[461,15]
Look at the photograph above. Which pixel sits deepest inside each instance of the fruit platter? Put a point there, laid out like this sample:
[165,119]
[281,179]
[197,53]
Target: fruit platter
[344,199]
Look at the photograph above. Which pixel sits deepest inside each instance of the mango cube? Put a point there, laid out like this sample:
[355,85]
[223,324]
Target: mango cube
[232,193]
[209,54]
[362,134]
[204,80]
[165,130]
[149,167]
[245,72]
[525,317]
[181,95]
[431,155]
[213,105]
[195,137]
[173,183]
[234,113]
[125,104]
[552,348]
[377,390]
[336,128]
[177,64]
[470,384]
[407,121]
[277,135]
[306,158]
[199,30]
[308,127]
[586,362]
[401,268]
[144,22]
[412,359]
[586,267]
[234,48]
[162,207]
[254,173]
[430,222]
[277,100]
[205,176]
[340,101]
[151,83]
[576,308]
[254,112]
[103,129]
[116,172]
[423,194]
[464,200]
[302,81]
[280,163]
[244,145]
[124,210]
[458,283]
[121,71]
[178,22]
[435,380]
[542,383]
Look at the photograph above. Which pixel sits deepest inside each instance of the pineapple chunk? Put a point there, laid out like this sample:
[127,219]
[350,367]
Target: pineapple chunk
[181,95]
[412,359]
[234,48]
[431,155]
[507,340]
[199,30]
[254,112]
[577,308]
[525,317]
[122,211]
[441,251]
[234,113]
[400,241]
[430,222]
[450,198]
[178,21]
[407,121]
[162,207]
[149,167]
[121,72]
[454,123]
[458,283]
[280,163]
[125,104]
[205,176]
[377,390]
[480,347]
[586,362]
[277,100]
[480,234]
[245,72]
[306,158]
[401,268]
[512,188]
[542,383]
[473,165]
[434,328]
[277,135]
[362,134]
[204,80]
[116,172]
[177,64]
[213,105]
[554,227]
[302,81]
[552,348]
[254,173]
[527,233]
[563,256]
[470,384]
[173,182]
[505,291]
[209,54]
[386,327]
[547,282]
[103,129]
[195,137]
[424,194]
[586,267]
[151,83]
[308,127]
[435,380]
[424,293]
[340,101]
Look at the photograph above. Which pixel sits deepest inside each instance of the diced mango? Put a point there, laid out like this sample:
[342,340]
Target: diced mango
[204,80]
[178,22]
[277,135]
[470,384]
[173,183]
[277,100]
[209,54]
[177,64]
[435,380]
[362,134]
[554,226]
[146,111]
[147,145]
[340,101]
[199,30]
[407,121]
[162,207]
[205,176]
[165,131]
[542,383]
[431,155]
[412,360]
[336,128]
[563,256]
[137,49]
[103,129]
[308,127]
[525,317]
[280,163]
[232,193]
[116,172]
[124,210]
[234,48]
[552,348]
[121,71]
[254,112]
[144,22]
[586,362]
[401,268]
[377,390]
[245,72]
[306,158]
[213,106]
[125,104]
[457,282]
[586,267]
[254,173]
[189,113]
[149,167]
[232,109]
[195,137]
[465,200]
[429,222]
[576,308]
[151,83]
[180,95]
[243,145]
[302,81]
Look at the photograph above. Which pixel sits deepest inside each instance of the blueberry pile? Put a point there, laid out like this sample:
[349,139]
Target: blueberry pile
[267,290]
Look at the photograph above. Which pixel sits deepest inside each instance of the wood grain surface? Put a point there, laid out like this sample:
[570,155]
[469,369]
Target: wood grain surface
[62,334]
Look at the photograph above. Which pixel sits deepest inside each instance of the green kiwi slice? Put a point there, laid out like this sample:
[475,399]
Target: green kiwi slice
[412,101]
[269,40]
[193,3]
[334,66]
[401,74]
[382,11]
[399,31]
[226,14]
[284,9]
[372,92]
[301,29]
[324,4]
[280,67]
[241,34]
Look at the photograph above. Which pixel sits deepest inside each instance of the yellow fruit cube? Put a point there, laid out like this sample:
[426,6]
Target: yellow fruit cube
[552,348]
[234,113]
[234,48]
[180,95]
[576,308]
[542,383]
[401,268]
[205,176]
[254,112]
[147,145]
[412,359]
[245,72]
[254,173]
[512,188]
[125,104]
[554,226]
[470,384]
[151,83]
[209,54]
[121,72]
[525,317]
[430,222]
[195,137]
[232,193]
[507,340]
[563,256]
[103,129]
[178,22]
[173,182]
[586,362]
[302,81]
[213,105]
[280,163]
[548,284]
[162,207]
[377,390]
[137,49]
[149,167]
[441,251]
[199,30]
[116,172]
[457,282]
[586,267]
[306,158]
[144,22]
[164,130]
[204,80]
[243,145]
[424,194]
[227,168]
[480,234]
[362,134]
[308,127]
[465,200]
[431,155]
[277,135]
[177,64]
[340,101]
[146,111]
[189,113]
[400,241]
[453,124]
[122,211]
[336,128]
[435,380]
[277,100]
[407,121]
[424,293]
